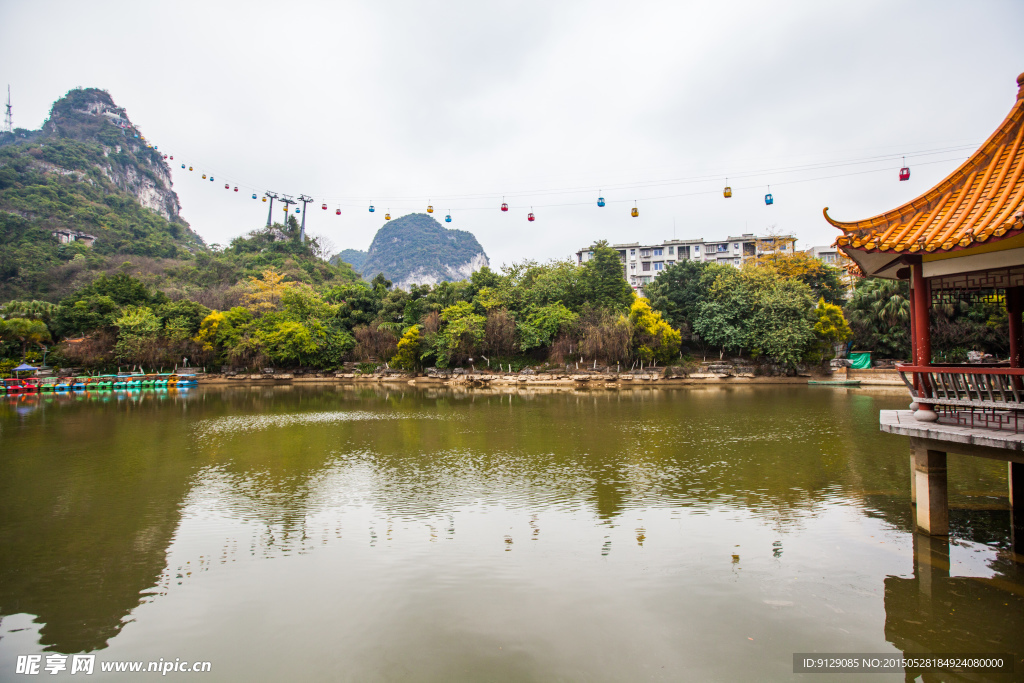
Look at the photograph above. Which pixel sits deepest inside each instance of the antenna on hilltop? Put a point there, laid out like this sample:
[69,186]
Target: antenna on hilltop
[8,119]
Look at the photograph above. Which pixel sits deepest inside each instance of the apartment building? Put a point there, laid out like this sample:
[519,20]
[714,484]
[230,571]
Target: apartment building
[642,263]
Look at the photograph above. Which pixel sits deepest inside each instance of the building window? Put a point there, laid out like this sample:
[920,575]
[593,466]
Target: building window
[646,265]
[632,266]
[647,279]
[632,252]
[735,245]
[723,247]
[671,250]
[659,265]
[644,253]
[657,252]
[696,249]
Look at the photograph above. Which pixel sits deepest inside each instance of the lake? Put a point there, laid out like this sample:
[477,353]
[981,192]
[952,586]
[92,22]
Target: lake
[359,533]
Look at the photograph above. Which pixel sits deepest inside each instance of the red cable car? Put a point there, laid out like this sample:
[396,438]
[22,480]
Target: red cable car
[337,211]
[226,186]
[504,206]
[529,216]
[905,171]
[172,157]
[324,207]
[236,189]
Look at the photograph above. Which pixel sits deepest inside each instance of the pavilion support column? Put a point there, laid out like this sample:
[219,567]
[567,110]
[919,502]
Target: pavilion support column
[932,515]
[1016,477]
[922,335]
[913,360]
[1014,305]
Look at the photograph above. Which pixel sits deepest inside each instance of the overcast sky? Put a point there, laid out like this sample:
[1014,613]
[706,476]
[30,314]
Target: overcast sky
[546,103]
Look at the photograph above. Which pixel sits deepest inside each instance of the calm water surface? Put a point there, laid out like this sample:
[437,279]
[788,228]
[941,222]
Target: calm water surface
[339,533]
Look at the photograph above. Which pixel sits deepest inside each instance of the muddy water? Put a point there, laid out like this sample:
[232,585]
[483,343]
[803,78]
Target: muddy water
[338,533]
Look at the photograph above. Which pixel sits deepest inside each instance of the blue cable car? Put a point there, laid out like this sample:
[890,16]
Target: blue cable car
[768,198]
[183,165]
[600,201]
[371,208]
[448,218]
[211,179]
[298,210]
[254,195]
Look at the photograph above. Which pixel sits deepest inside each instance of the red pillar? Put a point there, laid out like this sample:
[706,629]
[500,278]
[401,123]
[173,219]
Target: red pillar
[921,309]
[1014,301]
[922,338]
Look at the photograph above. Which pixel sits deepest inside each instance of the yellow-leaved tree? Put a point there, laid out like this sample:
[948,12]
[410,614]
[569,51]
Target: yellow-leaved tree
[653,338]
[264,293]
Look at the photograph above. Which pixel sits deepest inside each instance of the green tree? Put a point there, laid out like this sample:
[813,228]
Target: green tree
[24,331]
[462,334]
[604,282]
[137,329]
[879,316]
[540,325]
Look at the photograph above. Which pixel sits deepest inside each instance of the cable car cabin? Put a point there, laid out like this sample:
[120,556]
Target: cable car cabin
[183,165]
[387,216]
[324,207]
[727,192]
[371,208]
[635,212]
[189,168]
[204,176]
[297,209]
[236,189]
[768,199]
[172,157]
[254,196]
[264,199]
[600,201]
[448,218]
[530,217]
[905,173]
[337,212]
[226,186]
[504,206]
[211,179]
[165,156]
[430,209]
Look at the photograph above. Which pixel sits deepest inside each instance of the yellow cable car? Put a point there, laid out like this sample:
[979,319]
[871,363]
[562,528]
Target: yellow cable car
[727,192]
[635,212]
[387,215]
[430,209]
[204,176]
[190,168]
[264,199]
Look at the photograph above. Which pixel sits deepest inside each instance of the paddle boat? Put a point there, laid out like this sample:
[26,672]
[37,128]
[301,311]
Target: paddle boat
[47,384]
[63,384]
[186,381]
[78,383]
[162,380]
[104,382]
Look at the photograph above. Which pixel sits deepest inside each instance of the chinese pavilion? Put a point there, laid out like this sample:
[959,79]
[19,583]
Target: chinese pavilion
[963,238]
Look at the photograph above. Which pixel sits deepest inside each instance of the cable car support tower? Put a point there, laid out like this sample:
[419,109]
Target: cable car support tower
[272,196]
[302,232]
[287,200]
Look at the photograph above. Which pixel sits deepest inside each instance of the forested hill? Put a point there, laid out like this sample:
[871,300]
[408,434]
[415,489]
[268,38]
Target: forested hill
[416,249]
[90,171]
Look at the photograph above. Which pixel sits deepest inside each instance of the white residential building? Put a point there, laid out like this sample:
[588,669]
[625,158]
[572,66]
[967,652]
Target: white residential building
[642,263]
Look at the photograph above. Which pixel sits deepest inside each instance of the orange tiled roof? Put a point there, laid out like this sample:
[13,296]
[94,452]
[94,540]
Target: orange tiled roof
[981,200]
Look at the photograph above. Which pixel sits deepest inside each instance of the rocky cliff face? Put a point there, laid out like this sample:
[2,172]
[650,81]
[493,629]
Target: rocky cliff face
[135,167]
[416,250]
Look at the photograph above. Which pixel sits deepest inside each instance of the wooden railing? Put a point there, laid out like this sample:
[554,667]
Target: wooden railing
[972,386]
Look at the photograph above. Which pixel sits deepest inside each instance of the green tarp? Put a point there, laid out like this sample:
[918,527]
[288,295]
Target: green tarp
[860,360]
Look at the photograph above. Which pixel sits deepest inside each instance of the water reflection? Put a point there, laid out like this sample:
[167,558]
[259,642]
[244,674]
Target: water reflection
[745,516]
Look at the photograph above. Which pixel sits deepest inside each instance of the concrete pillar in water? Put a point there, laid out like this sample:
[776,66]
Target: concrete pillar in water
[932,515]
[1016,477]
[931,562]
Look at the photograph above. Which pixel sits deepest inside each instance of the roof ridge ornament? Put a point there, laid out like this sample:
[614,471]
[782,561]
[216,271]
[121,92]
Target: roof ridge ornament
[1020,87]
